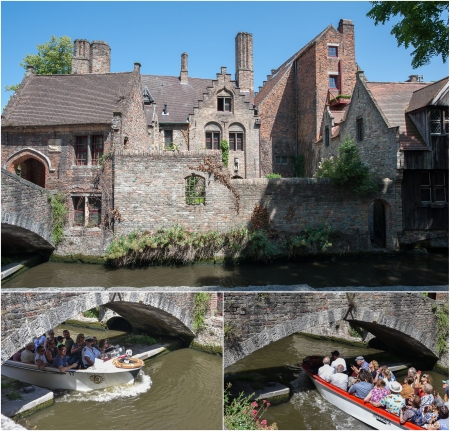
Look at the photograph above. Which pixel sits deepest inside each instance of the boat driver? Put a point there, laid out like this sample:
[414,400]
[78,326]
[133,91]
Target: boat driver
[89,352]
[338,361]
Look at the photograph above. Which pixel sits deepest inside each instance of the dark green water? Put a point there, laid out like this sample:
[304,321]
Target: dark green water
[181,390]
[367,270]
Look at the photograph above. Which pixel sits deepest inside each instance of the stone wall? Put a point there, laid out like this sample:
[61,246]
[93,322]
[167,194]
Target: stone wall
[25,205]
[150,193]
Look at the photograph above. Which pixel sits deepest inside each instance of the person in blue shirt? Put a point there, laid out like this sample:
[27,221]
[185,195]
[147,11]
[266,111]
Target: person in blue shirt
[363,384]
[60,360]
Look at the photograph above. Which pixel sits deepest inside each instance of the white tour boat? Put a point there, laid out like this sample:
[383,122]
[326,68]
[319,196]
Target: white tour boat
[120,370]
[377,418]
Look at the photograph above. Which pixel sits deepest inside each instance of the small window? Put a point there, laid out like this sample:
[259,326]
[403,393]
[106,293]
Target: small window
[195,190]
[81,150]
[168,138]
[439,122]
[224,104]
[212,140]
[97,149]
[433,186]
[87,211]
[281,160]
[334,82]
[359,129]
[327,136]
[332,51]
[236,141]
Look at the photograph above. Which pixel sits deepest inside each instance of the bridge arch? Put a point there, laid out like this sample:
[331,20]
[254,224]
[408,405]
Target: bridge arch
[396,331]
[24,316]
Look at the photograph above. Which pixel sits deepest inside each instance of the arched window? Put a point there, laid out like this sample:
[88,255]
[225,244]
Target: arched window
[195,190]
[236,137]
[212,136]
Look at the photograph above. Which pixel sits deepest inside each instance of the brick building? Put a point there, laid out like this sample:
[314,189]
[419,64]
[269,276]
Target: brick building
[292,100]
[401,129]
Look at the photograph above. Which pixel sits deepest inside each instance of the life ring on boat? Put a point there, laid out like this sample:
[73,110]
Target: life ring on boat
[132,363]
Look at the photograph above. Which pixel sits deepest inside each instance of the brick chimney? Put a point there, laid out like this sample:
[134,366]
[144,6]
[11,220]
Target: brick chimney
[244,62]
[184,68]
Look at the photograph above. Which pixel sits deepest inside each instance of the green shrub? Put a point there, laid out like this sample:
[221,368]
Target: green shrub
[225,151]
[348,170]
[299,165]
[13,396]
[93,312]
[273,175]
[58,203]
[140,339]
[201,303]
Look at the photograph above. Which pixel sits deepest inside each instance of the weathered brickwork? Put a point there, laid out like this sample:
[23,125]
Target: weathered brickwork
[150,193]
[241,119]
[400,319]
[306,79]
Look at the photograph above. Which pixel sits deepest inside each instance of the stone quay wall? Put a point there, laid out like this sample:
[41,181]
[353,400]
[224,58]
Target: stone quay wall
[150,192]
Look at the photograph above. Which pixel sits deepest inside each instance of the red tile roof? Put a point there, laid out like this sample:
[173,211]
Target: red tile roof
[424,96]
[393,99]
[49,100]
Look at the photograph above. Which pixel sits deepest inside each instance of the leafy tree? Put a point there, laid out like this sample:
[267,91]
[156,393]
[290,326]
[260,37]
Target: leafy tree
[53,57]
[422,26]
[348,170]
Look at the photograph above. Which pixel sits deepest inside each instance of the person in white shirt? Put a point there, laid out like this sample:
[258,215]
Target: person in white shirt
[40,360]
[326,370]
[337,360]
[339,379]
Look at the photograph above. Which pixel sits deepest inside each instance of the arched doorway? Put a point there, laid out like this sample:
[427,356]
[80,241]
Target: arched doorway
[31,170]
[379,224]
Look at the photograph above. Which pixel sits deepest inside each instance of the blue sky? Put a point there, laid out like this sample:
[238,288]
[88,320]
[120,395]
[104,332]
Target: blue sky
[155,34]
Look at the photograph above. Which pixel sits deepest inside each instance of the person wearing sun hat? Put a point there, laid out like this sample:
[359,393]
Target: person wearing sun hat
[393,402]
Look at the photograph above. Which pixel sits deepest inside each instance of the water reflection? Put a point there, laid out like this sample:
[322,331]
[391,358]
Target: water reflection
[372,271]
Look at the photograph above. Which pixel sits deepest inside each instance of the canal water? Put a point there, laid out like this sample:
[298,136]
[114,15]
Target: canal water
[367,270]
[180,390]
[306,409]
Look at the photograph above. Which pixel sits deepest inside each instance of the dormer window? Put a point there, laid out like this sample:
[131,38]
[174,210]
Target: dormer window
[224,104]
[439,122]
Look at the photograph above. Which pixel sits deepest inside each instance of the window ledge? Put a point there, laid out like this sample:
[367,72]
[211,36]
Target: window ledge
[89,229]
[432,204]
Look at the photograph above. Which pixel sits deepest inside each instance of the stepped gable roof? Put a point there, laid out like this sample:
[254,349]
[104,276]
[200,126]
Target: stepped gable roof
[425,96]
[49,100]
[279,73]
[393,99]
[180,98]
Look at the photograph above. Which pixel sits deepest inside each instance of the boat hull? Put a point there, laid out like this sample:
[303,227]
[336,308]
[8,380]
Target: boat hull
[78,380]
[377,418]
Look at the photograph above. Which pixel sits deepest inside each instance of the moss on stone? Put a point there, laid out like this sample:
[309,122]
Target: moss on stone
[77,258]
[35,409]
[83,324]
[207,348]
[441,369]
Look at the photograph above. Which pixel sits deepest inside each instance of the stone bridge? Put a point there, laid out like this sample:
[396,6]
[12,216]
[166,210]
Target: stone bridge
[26,216]
[26,315]
[405,322]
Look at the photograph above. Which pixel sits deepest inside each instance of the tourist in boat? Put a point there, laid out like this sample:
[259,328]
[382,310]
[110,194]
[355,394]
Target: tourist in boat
[51,336]
[68,342]
[408,390]
[16,356]
[77,347]
[336,360]
[430,414]
[59,340]
[420,381]
[441,423]
[428,398]
[326,370]
[362,385]
[378,392]
[412,372]
[104,347]
[42,340]
[392,402]
[39,359]
[339,378]
[60,360]
[411,411]
[89,352]
[27,355]
[51,351]
[386,374]
[373,367]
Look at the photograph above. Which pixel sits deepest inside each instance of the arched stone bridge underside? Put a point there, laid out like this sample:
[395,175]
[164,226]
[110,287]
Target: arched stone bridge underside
[26,216]
[398,329]
[26,315]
